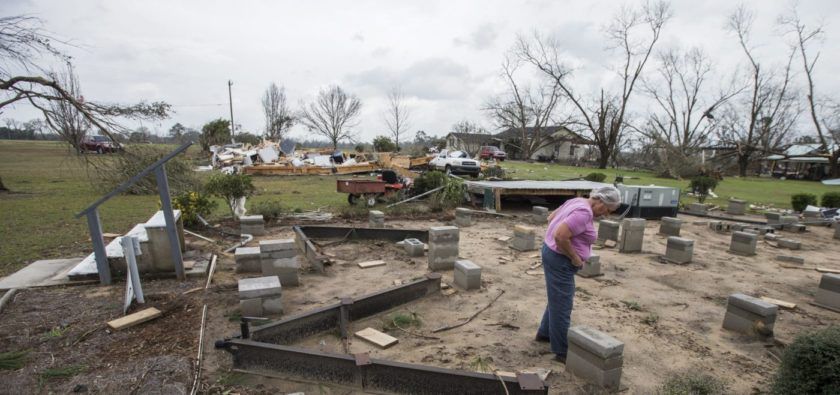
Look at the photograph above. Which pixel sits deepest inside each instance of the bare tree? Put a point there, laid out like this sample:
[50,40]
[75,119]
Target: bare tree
[602,118]
[524,109]
[397,117]
[278,116]
[64,118]
[23,45]
[332,114]
[469,128]
[682,120]
[820,108]
[763,118]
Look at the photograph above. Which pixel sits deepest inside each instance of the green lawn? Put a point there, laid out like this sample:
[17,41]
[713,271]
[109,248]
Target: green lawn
[767,191]
[50,184]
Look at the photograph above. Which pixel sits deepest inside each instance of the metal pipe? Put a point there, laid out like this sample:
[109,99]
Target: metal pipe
[247,237]
[169,217]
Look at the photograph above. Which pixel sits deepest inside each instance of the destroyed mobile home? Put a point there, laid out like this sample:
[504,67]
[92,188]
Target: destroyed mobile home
[271,158]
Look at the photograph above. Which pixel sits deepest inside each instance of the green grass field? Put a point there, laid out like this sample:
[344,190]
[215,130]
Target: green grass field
[50,184]
[766,191]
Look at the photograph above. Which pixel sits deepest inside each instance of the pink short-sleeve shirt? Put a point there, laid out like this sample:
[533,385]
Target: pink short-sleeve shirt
[577,215]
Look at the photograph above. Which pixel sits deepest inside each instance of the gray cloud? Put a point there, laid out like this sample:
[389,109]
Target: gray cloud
[427,79]
[481,38]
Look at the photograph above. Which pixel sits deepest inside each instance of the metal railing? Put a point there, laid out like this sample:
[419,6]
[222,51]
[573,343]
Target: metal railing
[95,225]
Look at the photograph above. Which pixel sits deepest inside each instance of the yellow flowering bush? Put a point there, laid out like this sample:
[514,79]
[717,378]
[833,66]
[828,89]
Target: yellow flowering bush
[192,204]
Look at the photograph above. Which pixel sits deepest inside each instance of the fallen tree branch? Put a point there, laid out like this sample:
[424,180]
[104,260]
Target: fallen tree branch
[414,333]
[467,321]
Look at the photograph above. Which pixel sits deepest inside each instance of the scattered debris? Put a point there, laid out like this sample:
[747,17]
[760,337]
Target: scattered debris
[780,303]
[134,319]
[197,374]
[365,265]
[376,337]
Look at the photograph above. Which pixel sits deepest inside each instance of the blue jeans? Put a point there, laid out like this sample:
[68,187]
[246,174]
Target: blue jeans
[560,287]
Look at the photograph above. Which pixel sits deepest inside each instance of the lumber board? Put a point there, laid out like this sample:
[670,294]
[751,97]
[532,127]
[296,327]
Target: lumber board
[827,270]
[780,303]
[376,337]
[134,319]
[367,264]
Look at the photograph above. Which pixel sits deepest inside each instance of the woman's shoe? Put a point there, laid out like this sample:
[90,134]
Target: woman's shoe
[542,339]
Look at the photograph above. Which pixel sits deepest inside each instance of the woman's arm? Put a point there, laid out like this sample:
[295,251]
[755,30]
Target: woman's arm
[563,240]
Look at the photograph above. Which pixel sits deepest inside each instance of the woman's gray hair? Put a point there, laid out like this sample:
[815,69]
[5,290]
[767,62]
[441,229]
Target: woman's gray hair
[608,195]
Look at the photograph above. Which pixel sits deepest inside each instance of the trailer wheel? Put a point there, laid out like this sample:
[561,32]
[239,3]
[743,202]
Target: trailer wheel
[352,199]
[371,200]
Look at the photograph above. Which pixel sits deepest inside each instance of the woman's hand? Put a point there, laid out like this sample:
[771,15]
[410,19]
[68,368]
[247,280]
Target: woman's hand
[577,261]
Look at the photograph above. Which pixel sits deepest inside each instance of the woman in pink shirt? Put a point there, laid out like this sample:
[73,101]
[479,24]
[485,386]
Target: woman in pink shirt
[568,243]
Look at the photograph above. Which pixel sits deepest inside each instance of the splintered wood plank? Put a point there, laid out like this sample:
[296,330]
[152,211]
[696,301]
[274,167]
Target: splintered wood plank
[134,319]
[376,337]
[827,270]
[365,265]
[504,238]
[780,303]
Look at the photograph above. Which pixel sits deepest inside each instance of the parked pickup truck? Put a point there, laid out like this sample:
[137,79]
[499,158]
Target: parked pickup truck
[99,144]
[455,162]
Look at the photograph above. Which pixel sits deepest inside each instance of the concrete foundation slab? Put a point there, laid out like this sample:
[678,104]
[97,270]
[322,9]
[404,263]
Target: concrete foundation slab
[40,273]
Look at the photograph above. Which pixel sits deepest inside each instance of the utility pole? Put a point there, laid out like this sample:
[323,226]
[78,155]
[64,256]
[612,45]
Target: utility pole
[230,100]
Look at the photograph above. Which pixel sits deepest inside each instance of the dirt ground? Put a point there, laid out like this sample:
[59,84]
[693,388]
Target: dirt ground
[669,316]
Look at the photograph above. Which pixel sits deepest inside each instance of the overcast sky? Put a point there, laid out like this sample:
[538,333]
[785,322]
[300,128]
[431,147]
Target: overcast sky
[445,55]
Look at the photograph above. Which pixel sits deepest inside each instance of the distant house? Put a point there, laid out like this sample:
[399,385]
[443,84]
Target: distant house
[561,144]
[801,161]
[468,142]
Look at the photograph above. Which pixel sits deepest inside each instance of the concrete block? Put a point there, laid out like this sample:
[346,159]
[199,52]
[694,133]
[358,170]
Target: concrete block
[443,234]
[773,218]
[528,243]
[795,228]
[670,226]
[698,208]
[277,245]
[608,230]
[771,236]
[540,214]
[791,259]
[272,305]
[251,219]
[595,356]
[524,231]
[830,282]
[679,250]
[442,256]
[788,219]
[789,244]
[463,217]
[752,305]
[467,275]
[287,270]
[247,259]
[737,207]
[376,219]
[414,247]
[251,307]
[837,232]
[743,243]
[254,230]
[632,235]
[259,287]
[279,254]
[591,267]
[828,298]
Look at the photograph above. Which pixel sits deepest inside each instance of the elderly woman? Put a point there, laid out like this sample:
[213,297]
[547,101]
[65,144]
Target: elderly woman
[568,243]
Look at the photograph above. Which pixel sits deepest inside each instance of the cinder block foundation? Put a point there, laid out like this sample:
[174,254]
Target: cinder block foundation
[743,243]
[737,207]
[467,275]
[247,259]
[443,247]
[608,230]
[252,225]
[595,357]
[669,226]
[591,267]
[679,250]
[524,238]
[260,296]
[773,218]
[540,214]
[632,235]
[750,316]
[698,208]
[376,219]
[414,247]
[280,258]
[463,217]
[795,228]
[828,294]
